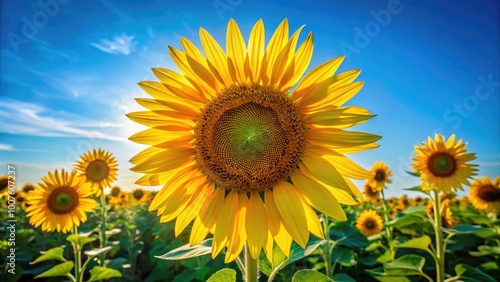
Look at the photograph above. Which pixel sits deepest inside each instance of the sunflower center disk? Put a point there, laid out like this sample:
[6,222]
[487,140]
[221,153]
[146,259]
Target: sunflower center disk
[489,194]
[442,164]
[380,175]
[249,138]
[62,200]
[97,170]
[370,224]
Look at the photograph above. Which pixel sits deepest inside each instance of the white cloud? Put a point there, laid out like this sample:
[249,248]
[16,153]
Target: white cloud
[22,118]
[6,147]
[120,44]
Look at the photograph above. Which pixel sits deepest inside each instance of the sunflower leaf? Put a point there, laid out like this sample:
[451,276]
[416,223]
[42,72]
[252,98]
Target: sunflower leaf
[62,269]
[417,243]
[97,251]
[343,256]
[463,229]
[223,275]
[470,274]
[346,235]
[306,275]
[188,251]
[80,240]
[416,174]
[103,273]
[397,269]
[416,189]
[52,254]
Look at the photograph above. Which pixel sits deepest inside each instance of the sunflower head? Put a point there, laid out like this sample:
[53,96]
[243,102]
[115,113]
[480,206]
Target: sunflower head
[418,201]
[447,219]
[115,191]
[484,194]
[443,164]
[403,202]
[381,174]
[465,200]
[369,223]
[99,168]
[4,184]
[28,187]
[370,193]
[60,202]
[239,152]
[138,193]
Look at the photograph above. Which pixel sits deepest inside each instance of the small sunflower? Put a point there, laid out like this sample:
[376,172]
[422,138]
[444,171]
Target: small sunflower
[242,154]
[28,187]
[447,219]
[403,202]
[381,176]
[115,191]
[443,164]
[4,184]
[418,201]
[142,196]
[122,200]
[369,223]
[392,202]
[465,200]
[392,213]
[370,193]
[99,168]
[484,194]
[60,202]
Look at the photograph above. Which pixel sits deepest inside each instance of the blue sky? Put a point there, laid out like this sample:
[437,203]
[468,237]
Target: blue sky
[69,72]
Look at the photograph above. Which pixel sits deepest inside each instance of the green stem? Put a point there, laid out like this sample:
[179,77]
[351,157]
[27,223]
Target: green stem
[439,237]
[78,258]
[251,267]
[103,227]
[388,230]
[327,250]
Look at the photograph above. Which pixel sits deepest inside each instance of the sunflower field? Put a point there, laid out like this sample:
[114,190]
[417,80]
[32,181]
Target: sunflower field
[251,154]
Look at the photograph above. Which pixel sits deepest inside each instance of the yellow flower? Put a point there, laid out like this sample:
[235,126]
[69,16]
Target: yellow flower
[443,165]
[465,200]
[418,201]
[403,202]
[228,138]
[115,191]
[143,196]
[4,185]
[369,223]
[381,175]
[484,194]
[28,187]
[447,219]
[370,193]
[99,168]
[60,202]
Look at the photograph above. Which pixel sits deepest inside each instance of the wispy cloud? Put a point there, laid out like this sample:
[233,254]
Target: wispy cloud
[22,118]
[6,147]
[120,44]
[489,164]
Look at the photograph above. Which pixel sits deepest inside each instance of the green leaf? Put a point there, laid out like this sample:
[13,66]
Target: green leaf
[112,232]
[98,273]
[97,251]
[62,269]
[297,252]
[414,221]
[463,229]
[308,275]
[80,240]
[188,251]
[417,243]
[416,189]
[342,277]
[470,274]
[405,265]
[223,275]
[416,174]
[347,235]
[52,254]
[343,256]
[485,250]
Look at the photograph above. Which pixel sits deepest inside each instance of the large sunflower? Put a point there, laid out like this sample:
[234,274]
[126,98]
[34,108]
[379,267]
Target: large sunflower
[485,194]
[381,176]
[99,168]
[443,164]
[369,223]
[60,202]
[240,153]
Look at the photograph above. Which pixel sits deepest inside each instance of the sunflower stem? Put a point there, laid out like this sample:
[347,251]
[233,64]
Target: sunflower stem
[439,237]
[78,257]
[388,230]
[103,238]
[327,249]
[251,266]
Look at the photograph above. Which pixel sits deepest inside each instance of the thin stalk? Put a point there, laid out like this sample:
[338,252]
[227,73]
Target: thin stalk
[326,247]
[103,238]
[78,258]
[251,266]
[388,230]
[439,237]
[240,266]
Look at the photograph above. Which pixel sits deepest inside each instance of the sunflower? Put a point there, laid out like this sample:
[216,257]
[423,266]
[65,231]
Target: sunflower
[28,187]
[403,202]
[99,168]
[381,175]
[418,201]
[60,202]
[443,165]
[369,223]
[392,201]
[242,154]
[115,191]
[122,200]
[4,184]
[484,194]
[370,193]
[465,200]
[447,219]
[142,196]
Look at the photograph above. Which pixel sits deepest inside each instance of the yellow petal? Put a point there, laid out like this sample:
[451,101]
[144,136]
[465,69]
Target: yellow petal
[334,116]
[176,202]
[339,137]
[301,61]
[238,235]
[318,196]
[256,224]
[276,44]
[165,160]
[336,95]
[236,51]
[256,50]
[207,217]
[316,75]
[185,89]
[281,236]
[291,211]
[225,223]
[313,224]
[269,246]
[284,58]
[217,60]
